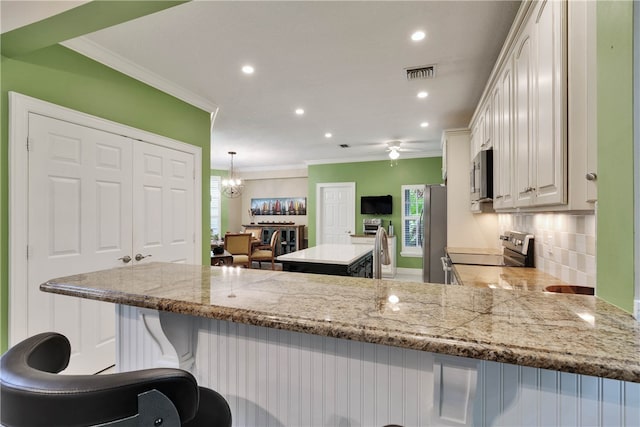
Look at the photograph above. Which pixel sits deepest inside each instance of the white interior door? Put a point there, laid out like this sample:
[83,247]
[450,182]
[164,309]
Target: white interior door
[71,209]
[79,220]
[335,214]
[164,195]
[95,197]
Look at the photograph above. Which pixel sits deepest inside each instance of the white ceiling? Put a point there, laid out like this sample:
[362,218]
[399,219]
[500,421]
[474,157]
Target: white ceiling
[18,13]
[343,62]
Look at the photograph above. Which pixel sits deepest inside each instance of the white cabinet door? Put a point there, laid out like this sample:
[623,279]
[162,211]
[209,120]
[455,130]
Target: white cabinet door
[79,221]
[476,136]
[550,173]
[487,121]
[540,103]
[523,65]
[163,204]
[504,146]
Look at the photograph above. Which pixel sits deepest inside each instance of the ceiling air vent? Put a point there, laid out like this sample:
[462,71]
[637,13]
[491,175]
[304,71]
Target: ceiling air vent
[422,72]
[344,145]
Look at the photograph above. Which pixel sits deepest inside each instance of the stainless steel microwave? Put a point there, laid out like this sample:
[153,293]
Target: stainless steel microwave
[482,176]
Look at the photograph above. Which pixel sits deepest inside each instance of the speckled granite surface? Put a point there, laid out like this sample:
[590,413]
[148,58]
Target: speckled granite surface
[572,333]
[510,278]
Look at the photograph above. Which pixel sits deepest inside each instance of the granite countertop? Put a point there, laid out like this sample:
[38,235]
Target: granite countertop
[340,254]
[518,278]
[474,251]
[572,333]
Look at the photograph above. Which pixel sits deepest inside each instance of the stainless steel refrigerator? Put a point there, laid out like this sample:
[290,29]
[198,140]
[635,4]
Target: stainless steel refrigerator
[434,233]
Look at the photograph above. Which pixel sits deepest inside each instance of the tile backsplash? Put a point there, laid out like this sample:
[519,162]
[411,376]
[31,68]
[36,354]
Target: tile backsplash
[565,245]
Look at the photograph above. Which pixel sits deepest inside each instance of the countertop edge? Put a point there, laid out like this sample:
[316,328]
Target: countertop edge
[565,362]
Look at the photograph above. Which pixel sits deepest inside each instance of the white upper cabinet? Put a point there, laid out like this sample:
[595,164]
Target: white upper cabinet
[538,110]
[540,139]
[550,105]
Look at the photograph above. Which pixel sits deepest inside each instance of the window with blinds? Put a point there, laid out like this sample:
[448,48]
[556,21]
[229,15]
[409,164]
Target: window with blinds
[412,206]
[216,215]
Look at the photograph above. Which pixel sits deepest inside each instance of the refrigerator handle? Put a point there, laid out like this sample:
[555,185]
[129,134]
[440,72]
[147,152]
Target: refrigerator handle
[421,228]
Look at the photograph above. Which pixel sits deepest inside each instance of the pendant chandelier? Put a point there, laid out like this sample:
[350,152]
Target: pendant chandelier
[232,186]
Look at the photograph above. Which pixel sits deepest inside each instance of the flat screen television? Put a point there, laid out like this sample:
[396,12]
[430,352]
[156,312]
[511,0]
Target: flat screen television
[376,205]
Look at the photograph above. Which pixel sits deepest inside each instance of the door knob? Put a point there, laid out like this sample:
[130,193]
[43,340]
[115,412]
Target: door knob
[140,257]
[125,259]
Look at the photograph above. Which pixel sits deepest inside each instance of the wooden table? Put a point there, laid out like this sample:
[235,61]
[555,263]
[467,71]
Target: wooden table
[224,258]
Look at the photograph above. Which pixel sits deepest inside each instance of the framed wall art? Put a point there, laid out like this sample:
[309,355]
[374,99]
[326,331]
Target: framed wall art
[279,206]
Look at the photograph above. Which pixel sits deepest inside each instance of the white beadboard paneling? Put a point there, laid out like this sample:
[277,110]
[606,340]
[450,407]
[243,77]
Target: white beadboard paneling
[278,378]
[510,395]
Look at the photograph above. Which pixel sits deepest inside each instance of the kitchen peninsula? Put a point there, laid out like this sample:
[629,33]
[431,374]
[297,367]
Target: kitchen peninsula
[309,349]
[335,259]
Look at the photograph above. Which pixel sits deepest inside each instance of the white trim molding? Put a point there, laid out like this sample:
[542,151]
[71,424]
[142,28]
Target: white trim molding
[90,49]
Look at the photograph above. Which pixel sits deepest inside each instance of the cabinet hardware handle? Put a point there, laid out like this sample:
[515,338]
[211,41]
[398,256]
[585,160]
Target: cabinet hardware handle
[592,176]
[140,257]
[125,259]
[498,197]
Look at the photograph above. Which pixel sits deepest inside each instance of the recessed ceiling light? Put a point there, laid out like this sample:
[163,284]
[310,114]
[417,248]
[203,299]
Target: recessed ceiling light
[424,124]
[248,69]
[417,36]
[328,135]
[422,94]
[299,111]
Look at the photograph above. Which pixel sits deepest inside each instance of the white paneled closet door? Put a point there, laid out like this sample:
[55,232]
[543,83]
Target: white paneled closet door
[98,200]
[164,200]
[79,220]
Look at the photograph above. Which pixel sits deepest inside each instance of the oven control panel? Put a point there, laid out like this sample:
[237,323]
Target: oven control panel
[518,248]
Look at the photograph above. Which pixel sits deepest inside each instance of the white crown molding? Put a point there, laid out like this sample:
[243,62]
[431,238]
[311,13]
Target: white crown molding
[98,53]
[403,155]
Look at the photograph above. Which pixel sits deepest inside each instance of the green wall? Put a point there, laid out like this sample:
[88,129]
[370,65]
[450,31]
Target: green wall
[615,245]
[375,179]
[63,77]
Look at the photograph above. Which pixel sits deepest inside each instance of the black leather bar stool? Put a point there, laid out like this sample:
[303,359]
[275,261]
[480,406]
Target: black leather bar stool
[33,394]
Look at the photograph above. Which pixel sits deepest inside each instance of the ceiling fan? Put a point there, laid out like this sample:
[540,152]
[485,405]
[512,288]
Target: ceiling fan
[396,146]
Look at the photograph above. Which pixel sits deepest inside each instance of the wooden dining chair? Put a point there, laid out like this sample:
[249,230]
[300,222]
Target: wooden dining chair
[239,246]
[267,253]
[255,231]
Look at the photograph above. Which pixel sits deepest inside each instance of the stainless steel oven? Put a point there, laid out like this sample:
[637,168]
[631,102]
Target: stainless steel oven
[517,251]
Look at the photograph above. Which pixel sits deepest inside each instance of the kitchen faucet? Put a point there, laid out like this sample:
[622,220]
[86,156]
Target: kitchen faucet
[380,253]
